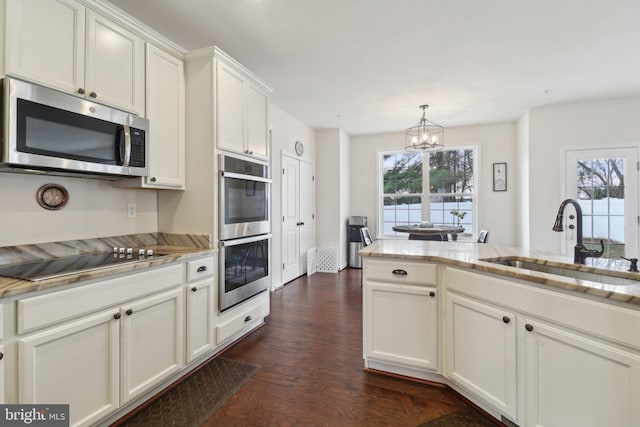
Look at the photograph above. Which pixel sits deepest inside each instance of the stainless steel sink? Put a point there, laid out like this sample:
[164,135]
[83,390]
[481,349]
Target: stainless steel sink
[602,276]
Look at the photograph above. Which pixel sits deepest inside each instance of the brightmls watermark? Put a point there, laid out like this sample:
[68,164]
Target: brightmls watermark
[34,415]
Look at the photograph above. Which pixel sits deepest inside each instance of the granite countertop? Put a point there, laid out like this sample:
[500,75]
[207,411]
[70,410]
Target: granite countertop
[474,255]
[172,247]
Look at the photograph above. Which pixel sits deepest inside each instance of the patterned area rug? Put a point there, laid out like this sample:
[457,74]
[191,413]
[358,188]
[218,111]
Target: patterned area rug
[192,402]
[465,417]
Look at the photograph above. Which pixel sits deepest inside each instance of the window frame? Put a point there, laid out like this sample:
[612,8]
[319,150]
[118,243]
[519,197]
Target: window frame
[426,194]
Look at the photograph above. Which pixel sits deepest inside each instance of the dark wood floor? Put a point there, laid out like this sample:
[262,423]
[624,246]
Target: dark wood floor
[311,367]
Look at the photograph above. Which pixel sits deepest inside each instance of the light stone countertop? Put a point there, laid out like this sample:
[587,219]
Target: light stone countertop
[471,255]
[173,248]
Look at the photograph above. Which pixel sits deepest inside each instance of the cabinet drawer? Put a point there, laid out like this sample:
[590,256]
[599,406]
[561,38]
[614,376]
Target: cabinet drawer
[200,268]
[43,310]
[246,316]
[400,272]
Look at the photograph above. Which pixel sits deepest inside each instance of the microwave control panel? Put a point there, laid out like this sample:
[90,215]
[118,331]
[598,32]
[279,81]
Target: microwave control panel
[137,148]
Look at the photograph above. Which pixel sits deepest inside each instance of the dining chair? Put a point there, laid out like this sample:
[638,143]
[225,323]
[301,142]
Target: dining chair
[436,237]
[365,237]
[483,236]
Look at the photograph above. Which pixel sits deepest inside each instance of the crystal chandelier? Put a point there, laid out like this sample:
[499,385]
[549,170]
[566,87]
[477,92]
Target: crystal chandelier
[425,136]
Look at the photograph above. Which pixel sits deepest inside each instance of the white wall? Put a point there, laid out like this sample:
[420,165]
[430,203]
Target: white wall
[522,173]
[552,130]
[327,185]
[333,190]
[345,196]
[285,131]
[95,209]
[496,143]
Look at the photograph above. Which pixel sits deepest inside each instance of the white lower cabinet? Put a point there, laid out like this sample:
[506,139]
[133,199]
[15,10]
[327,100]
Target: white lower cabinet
[152,342]
[2,356]
[480,348]
[2,383]
[97,346]
[400,313]
[199,318]
[76,363]
[574,380]
[402,325]
[201,300]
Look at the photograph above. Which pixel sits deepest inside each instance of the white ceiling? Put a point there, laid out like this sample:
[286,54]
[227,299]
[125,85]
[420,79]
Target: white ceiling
[366,65]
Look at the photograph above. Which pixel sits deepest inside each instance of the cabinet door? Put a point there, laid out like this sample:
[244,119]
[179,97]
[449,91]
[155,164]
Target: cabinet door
[480,351]
[77,363]
[199,318]
[45,42]
[1,374]
[165,110]
[114,65]
[401,325]
[230,109]
[257,132]
[571,380]
[153,342]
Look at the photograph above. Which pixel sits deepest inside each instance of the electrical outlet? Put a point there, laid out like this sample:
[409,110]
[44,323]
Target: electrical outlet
[132,210]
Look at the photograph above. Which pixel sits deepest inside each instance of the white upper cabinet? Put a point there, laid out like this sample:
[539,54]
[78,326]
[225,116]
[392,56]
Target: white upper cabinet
[257,132]
[230,109]
[45,42]
[165,111]
[63,45]
[241,109]
[2,38]
[114,71]
[166,114]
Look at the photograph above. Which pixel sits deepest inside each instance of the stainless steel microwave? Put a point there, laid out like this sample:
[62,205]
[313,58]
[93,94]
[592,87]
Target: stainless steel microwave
[47,130]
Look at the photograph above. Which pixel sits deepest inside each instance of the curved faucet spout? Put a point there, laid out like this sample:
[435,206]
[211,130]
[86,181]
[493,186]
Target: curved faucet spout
[580,251]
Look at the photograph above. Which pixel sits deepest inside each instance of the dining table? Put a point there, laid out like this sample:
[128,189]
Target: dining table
[419,230]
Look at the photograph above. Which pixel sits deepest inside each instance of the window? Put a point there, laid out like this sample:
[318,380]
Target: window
[604,182]
[444,178]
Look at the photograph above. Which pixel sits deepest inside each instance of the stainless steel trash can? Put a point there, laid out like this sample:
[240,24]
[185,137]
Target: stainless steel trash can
[355,240]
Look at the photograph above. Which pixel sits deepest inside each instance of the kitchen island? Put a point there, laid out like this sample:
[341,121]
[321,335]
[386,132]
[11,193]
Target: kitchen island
[527,346]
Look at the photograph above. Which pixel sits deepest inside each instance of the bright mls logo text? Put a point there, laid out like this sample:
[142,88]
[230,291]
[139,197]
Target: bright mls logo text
[36,415]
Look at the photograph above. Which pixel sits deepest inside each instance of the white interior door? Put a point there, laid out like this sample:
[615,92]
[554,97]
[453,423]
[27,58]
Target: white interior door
[290,218]
[605,183]
[298,205]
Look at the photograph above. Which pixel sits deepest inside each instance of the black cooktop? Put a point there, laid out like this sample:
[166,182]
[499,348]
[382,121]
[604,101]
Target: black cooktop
[48,269]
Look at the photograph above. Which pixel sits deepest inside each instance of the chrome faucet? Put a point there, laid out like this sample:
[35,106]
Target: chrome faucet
[580,252]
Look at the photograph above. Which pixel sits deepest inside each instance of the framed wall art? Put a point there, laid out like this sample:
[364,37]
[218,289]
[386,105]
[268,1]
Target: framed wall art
[499,177]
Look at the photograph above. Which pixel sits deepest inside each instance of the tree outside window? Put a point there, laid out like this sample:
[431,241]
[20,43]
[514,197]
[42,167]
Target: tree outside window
[445,178]
[601,188]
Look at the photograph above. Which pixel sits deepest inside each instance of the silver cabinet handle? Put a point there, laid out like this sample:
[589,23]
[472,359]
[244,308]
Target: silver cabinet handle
[248,319]
[399,272]
[202,268]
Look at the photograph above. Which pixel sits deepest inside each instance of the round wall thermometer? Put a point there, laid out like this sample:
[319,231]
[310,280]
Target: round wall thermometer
[52,196]
[299,148]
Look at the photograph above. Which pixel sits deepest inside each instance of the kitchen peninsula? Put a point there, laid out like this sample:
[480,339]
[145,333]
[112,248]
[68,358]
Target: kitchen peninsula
[527,346]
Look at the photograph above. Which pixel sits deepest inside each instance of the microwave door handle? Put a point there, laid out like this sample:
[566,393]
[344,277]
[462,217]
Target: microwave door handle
[127,146]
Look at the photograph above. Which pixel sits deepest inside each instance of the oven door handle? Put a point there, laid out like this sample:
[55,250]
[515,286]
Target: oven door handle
[244,177]
[251,239]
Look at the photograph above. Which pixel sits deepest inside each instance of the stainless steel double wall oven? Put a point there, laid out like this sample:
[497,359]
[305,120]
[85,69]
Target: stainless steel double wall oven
[244,229]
